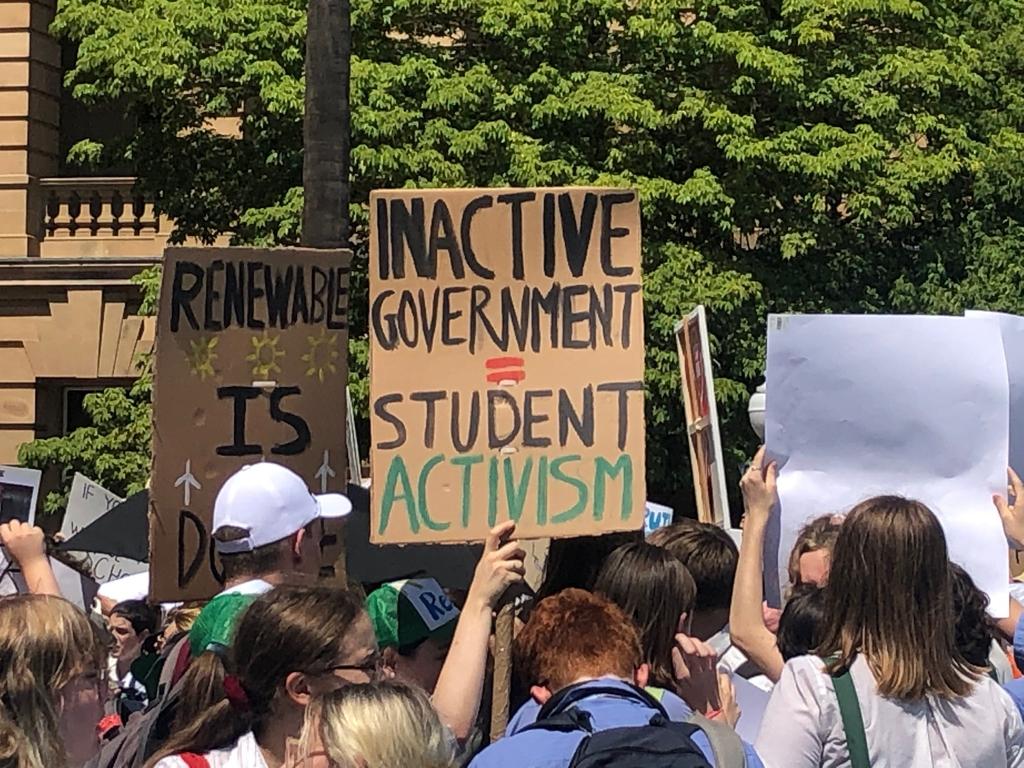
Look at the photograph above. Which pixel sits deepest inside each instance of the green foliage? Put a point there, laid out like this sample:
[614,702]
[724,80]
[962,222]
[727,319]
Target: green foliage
[792,155]
[115,449]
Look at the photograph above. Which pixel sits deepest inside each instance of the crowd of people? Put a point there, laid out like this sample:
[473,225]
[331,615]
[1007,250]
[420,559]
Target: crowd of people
[627,653]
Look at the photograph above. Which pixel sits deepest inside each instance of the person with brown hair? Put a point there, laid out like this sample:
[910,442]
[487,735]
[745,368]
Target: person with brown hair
[888,686]
[710,556]
[291,643]
[388,724]
[811,557]
[582,660]
[657,592]
[52,684]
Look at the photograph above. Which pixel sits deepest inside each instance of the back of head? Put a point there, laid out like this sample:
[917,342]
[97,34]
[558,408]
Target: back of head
[575,563]
[379,725]
[575,635]
[802,622]
[45,644]
[889,598]
[654,589]
[288,629]
[709,554]
[975,629]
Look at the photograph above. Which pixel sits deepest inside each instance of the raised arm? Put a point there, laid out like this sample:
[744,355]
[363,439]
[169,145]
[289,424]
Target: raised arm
[1011,511]
[25,545]
[460,686]
[746,618]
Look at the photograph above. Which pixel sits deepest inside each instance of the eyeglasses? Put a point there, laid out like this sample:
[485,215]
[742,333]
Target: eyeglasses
[373,666]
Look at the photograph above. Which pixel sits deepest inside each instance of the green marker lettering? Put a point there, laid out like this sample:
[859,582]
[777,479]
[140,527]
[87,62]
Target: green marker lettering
[397,473]
[581,490]
[492,492]
[516,493]
[467,462]
[542,491]
[432,462]
[604,470]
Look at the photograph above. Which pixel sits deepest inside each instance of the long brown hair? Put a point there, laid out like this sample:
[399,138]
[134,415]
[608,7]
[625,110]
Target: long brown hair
[889,598]
[45,643]
[654,589]
[289,629]
[820,533]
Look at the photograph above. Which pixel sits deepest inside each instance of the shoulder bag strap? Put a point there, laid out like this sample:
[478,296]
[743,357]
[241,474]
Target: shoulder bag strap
[193,760]
[853,721]
[725,742]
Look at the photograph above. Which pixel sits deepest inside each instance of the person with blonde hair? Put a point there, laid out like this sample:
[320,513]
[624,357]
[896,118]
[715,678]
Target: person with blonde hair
[888,685]
[51,683]
[388,724]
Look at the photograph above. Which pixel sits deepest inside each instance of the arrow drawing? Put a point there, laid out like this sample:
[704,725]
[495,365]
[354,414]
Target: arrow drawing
[325,472]
[189,481]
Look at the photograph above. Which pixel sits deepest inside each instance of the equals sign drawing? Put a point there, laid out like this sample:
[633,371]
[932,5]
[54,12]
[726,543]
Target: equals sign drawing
[501,369]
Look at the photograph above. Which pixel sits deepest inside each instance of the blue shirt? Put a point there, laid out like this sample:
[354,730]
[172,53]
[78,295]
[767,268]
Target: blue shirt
[1016,690]
[538,748]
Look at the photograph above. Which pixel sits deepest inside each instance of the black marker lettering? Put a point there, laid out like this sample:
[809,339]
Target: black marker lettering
[386,339]
[608,232]
[210,320]
[572,317]
[462,446]
[577,237]
[623,388]
[430,416]
[628,292]
[299,305]
[279,291]
[549,234]
[234,295]
[530,419]
[408,227]
[494,440]
[383,260]
[238,447]
[277,413]
[182,297]
[255,292]
[582,423]
[449,316]
[428,321]
[516,200]
[188,572]
[318,283]
[442,237]
[380,407]
[408,328]
[474,205]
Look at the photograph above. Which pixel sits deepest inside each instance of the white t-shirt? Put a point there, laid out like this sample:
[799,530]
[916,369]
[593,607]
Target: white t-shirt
[245,754]
[802,727]
[251,587]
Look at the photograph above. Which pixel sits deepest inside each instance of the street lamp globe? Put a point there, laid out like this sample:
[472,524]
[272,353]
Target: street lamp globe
[755,411]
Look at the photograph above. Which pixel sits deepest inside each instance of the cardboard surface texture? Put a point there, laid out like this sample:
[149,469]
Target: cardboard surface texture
[251,365]
[507,363]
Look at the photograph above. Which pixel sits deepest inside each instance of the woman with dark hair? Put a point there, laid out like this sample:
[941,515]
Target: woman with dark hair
[888,686]
[658,593]
[801,623]
[575,562]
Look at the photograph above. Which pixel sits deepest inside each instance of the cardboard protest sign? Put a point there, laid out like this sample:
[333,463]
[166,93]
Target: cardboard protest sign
[74,587]
[506,363]
[251,365]
[87,503]
[702,430]
[19,491]
[656,516]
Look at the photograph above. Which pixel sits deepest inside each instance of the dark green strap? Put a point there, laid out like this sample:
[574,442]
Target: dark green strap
[853,722]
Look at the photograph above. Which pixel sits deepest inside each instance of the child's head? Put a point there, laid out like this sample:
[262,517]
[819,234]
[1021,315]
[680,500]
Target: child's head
[975,629]
[658,593]
[388,723]
[52,685]
[811,557]
[800,626]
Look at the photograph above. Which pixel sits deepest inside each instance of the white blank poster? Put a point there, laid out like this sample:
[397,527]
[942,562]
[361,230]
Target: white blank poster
[859,406]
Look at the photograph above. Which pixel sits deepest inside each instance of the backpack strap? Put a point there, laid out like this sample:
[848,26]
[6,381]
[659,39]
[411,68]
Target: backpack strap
[193,760]
[567,697]
[853,721]
[725,742]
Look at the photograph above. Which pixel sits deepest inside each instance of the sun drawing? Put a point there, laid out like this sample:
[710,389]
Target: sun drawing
[201,356]
[265,355]
[321,356]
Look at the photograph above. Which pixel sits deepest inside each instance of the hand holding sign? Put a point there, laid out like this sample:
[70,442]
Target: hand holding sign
[500,567]
[23,542]
[1011,510]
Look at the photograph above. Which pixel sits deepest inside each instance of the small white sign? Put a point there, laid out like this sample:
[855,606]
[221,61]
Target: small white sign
[19,492]
[87,503]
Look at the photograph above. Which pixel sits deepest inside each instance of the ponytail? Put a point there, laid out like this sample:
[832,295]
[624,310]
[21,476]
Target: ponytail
[206,718]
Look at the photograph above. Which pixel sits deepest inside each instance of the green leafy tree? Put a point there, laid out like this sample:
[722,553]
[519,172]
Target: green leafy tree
[792,155]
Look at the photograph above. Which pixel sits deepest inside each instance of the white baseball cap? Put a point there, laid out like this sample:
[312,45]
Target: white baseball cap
[270,502]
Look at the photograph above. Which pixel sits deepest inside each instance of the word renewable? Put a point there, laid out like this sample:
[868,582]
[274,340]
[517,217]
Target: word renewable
[251,365]
[507,362]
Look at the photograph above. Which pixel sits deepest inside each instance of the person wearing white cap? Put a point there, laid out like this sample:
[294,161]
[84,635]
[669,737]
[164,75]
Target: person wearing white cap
[263,526]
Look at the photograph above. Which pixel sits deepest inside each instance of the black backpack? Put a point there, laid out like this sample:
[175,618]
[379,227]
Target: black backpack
[659,744]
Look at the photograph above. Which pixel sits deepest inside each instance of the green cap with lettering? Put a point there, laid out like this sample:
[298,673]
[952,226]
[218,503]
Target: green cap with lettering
[405,613]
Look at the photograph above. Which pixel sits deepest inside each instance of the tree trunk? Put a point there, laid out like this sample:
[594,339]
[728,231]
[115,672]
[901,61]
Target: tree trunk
[325,137]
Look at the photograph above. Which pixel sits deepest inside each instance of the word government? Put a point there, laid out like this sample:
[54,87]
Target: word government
[252,294]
